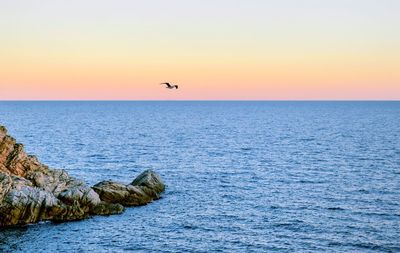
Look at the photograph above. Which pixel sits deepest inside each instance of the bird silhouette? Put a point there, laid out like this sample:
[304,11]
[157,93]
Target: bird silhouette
[169,86]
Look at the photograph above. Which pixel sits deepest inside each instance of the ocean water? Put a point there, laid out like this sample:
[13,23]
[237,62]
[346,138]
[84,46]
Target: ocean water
[240,176]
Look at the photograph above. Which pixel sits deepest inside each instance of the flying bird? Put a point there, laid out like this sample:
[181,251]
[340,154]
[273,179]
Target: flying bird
[169,86]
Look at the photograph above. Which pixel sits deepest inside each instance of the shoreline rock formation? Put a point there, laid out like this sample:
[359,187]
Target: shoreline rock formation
[31,191]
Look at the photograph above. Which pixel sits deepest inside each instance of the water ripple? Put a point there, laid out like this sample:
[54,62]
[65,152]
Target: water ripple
[241,176]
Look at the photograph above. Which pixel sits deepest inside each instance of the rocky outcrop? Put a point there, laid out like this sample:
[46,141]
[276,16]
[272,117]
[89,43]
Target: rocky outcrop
[32,192]
[143,189]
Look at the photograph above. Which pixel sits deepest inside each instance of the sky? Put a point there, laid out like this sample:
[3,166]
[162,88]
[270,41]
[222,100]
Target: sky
[213,49]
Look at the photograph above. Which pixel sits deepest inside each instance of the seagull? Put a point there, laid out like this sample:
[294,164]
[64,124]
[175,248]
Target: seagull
[169,86]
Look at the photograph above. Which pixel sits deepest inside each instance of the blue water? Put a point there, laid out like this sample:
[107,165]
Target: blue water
[241,176]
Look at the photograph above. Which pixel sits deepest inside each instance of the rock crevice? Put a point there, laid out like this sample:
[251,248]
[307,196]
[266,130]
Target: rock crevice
[31,191]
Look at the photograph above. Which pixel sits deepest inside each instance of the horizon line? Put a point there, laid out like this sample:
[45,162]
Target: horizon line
[200,100]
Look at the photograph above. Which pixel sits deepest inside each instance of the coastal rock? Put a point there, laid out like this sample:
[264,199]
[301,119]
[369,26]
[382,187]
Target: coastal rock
[32,192]
[150,183]
[144,189]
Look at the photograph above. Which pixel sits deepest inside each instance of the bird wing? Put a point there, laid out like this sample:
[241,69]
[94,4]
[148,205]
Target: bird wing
[168,85]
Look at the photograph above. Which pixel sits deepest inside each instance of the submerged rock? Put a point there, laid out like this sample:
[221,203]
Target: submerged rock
[32,192]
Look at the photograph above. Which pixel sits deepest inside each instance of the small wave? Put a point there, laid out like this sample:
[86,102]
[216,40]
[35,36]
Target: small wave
[245,149]
[307,139]
[336,208]
[360,245]
[188,226]
[311,182]
[96,156]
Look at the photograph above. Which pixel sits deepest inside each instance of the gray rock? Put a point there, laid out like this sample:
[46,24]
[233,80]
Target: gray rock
[5,184]
[27,204]
[145,188]
[150,183]
[105,208]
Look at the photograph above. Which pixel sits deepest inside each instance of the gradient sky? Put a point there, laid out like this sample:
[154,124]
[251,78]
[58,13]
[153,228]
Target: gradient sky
[213,49]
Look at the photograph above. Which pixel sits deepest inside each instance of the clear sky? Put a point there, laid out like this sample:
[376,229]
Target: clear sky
[213,49]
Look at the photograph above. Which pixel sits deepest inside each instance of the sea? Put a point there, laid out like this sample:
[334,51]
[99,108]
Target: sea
[241,176]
